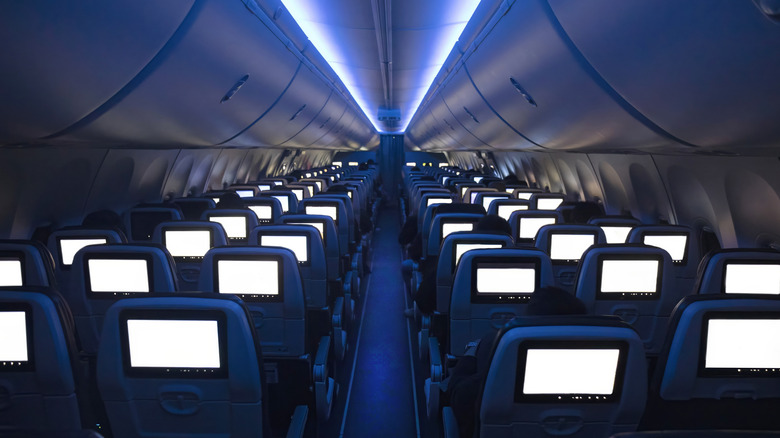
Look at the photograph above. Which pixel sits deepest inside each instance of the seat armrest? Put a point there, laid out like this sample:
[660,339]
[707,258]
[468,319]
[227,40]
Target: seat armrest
[298,422]
[450,425]
[434,354]
[320,370]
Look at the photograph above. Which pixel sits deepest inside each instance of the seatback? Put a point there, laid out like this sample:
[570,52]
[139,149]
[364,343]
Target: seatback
[140,222]
[327,230]
[192,208]
[268,281]
[565,244]
[453,247]
[267,209]
[564,376]
[288,200]
[181,366]
[470,197]
[526,223]
[25,263]
[487,198]
[245,190]
[525,193]
[188,242]
[102,274]
[305,242]
[63,245]
[237,223]
[38,356]
[444,224]
[436,209]
[344,197]
[428,200]
[740,271]
[681,243]
[546,201]
[615,228]
[301,191]
[719,366]
[491,287]
[336,210]
[505,207]
[633,282]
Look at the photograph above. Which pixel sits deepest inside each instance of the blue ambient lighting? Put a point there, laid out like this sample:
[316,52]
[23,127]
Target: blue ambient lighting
[454,17]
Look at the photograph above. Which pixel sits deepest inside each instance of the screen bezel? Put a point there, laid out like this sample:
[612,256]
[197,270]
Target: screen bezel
[307,263]
[29,364]
[164,230]
[251,298]
[183,315]
[568,233]
[503,262]
[117,256]
[17,256]
[702,371]
[687,235]
[617,387]
[744,262]
[630,296]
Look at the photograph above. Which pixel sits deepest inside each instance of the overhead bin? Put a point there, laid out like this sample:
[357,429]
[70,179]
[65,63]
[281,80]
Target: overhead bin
[539,83]
[450,127]
[53,76]
[708,69]
[327,117]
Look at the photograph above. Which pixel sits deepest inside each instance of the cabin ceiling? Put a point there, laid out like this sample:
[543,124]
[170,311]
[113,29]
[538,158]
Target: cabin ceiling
[659,76]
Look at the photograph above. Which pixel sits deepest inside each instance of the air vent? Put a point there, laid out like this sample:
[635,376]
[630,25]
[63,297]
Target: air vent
[297,113]
[470,114]
[522,92]
[234,89]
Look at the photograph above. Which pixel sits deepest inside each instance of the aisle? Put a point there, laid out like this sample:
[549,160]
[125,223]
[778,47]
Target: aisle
[381,398]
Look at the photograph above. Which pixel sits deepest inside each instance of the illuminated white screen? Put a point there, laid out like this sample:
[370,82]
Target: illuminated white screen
[569,246]
[264,187]
[324,210]
[13,336]
[318,225]
[409,164]
[332,179]
[529,226]
[432,201]
[319,185]
[263,212]
[487,200]
[461,248]
[311,190]
[235,226]
[752,279]
[10,273]
[463,191]
[570,371]
[444,180]
[478,179]
[157,343]
[285,201]
[278,183]
[505,211]
[548,203]
[629,276]
[355,163]
[336,163]
[443,164]
[509,190]
[473,196]
[349,193]
[742,343]
[506,280]
[69,247]
[308,175]
[248,277]
[616,234]
[118,275]
[297,244]
[188,243]
[448,228]
[673,244]
[245,193]
[298,193]
[524,195]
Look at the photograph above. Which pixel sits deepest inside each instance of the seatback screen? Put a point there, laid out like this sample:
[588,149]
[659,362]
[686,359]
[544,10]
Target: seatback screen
[752,278]
[570,374]
[324,210]
[487,200]
[111,276]
[451,227]
[295,243]
[187,243]
[529,226]
[11,272]
[285,201]
[245,193]
[70,246]
[616,234]
[263,212]
[637,278]
[14,339]
[674,244]
[461,248]
[432,201]
[235,226]
[318,225]
[506,280]
[298,192]
[506,210]
[252,280]
[569,247]
[548,203]
[741,345]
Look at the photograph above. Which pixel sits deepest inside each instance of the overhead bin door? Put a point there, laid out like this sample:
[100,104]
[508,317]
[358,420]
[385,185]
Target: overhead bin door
[321,124]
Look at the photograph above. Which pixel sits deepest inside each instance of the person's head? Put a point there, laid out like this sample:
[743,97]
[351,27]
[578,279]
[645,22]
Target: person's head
[338,188]
[103,219]
[363,166]
[511,179]
[582,212]
[551,300]
[493,224]
[230,200]
[416,168]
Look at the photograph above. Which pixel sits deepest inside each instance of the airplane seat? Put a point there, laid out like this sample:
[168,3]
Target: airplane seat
[286,198]
[333,252]
[267,209]
[237,223]
[41,377]
[64,243]
[565,244]
[633,282]
[442,225]
[505,207]
[182,365]
[615,228]
[470,196]
[492,287]
[526,223]
[244,190]
[456,207]
[526,193]
[719,365]
[563,376]
[102,274]
[140,221]
[681,243]
[419,199]
[187,243]
[486,199]
[192,208]
[739,271]
[26,263]
[337,211]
